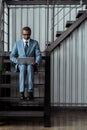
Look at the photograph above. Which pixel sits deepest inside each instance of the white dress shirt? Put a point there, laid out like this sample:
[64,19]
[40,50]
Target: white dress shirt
[26,41]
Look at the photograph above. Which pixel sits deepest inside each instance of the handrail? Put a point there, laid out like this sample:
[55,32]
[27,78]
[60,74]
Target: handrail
[65,14]
[67,32]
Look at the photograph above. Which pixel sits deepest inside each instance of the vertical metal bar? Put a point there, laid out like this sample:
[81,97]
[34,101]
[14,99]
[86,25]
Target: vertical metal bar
[2,26]
[0,22]
[47,92]
[8,30]
[33,22]
[27,15]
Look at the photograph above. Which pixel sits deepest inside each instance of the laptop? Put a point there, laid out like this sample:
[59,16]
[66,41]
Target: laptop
[26,60]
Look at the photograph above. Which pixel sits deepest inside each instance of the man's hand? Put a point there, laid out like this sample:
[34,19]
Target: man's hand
[34,64]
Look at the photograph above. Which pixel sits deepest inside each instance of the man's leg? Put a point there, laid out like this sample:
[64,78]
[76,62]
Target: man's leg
[30,77]
[22,69]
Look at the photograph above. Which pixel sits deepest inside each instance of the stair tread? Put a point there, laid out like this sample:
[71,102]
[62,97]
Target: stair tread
[16,73]
[18,102]
[9,61]
[16,84]
[58,33]
[80,13]
[21,113]
[15,98]
[69,23]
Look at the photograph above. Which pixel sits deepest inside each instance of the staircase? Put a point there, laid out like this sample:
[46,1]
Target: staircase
[10,103]
[69,64]
[62,87]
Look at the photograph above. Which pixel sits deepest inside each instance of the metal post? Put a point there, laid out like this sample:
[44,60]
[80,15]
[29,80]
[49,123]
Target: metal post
[47,108]
[8,31]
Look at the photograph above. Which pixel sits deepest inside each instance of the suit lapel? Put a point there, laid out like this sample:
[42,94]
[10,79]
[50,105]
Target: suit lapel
[30,46]
[23,46]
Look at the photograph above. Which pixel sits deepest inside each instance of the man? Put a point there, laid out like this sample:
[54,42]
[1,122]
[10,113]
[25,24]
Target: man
[19,50]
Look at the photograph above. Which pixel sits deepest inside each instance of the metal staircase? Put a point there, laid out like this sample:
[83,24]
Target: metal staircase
[10,103]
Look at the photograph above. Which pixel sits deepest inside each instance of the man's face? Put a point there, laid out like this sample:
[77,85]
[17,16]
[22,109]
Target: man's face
[26,34]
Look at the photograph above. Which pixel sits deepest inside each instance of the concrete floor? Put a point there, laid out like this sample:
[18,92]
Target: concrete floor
[61,120]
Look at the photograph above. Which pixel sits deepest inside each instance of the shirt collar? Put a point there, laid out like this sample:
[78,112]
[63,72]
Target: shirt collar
[25,41]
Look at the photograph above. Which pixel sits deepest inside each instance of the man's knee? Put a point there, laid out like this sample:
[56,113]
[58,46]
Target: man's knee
[22,67]
[29,68]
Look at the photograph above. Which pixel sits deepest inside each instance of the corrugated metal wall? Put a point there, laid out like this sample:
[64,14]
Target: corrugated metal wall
[44,21]
[69,70]
[32,16]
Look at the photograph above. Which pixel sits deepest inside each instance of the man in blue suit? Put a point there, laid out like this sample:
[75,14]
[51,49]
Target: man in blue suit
[26,47]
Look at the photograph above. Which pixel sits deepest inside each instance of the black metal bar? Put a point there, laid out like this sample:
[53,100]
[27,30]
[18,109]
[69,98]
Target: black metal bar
[3,26]
[47,122]
[8,31]
[42,2]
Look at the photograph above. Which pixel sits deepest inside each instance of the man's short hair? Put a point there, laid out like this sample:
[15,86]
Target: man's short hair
[27,29]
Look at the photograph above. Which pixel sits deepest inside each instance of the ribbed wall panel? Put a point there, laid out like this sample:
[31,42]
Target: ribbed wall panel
[69,69]
[34,17]
[44,21]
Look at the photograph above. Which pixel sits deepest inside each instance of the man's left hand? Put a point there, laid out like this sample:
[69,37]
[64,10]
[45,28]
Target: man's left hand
[34,64]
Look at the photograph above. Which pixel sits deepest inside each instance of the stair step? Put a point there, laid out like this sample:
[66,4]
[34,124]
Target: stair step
[58,33]
[17,102]
[16,73]
[5,53]
[80,13]
[69,23]
[17,99]
[7,61]
[17,84]
[21,114]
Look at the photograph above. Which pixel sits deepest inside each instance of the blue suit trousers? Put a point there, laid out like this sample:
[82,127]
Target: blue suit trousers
[26,71]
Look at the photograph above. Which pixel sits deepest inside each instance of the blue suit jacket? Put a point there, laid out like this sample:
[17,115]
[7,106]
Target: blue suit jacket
[18,51]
